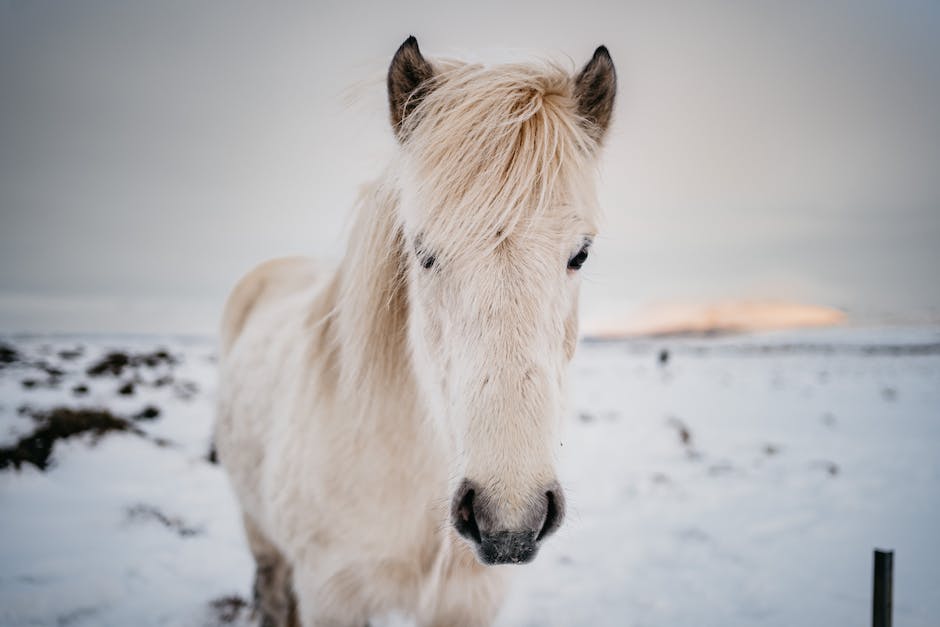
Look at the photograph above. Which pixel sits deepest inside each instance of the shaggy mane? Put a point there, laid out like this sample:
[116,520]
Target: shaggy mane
[489,148]
[485,151]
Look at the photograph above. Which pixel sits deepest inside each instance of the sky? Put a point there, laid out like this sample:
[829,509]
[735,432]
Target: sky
[151,153]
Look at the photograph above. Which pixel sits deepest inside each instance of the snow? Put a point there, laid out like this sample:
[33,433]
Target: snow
[803,451]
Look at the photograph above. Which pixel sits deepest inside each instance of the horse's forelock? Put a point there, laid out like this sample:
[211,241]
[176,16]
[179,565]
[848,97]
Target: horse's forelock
[492,148]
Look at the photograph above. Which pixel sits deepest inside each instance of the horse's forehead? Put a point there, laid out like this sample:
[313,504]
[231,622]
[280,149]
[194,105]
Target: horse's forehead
[562,207]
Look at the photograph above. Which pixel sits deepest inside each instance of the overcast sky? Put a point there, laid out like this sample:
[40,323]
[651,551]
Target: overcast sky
[150,153]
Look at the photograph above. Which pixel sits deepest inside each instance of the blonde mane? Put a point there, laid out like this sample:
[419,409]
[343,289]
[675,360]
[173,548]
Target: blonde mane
[489,149]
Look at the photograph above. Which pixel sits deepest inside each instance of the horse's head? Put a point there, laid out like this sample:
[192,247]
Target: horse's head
[497,212]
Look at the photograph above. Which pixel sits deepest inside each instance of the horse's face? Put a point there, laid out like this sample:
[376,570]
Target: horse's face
[492,326]
[491,337]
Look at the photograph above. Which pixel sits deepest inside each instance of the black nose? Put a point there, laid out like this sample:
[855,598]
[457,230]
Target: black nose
[476,518]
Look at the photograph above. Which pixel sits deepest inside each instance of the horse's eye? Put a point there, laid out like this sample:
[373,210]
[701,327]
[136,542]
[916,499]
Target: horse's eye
[425,258]
[578,260]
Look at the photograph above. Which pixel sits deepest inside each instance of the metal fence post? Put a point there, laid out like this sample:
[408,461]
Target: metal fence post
[881,597]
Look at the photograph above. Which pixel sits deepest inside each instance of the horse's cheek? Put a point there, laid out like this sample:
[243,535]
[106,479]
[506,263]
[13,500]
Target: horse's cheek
[571,333]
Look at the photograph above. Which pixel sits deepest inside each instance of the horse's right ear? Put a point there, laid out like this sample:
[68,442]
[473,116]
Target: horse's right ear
[407,78]
[594,89]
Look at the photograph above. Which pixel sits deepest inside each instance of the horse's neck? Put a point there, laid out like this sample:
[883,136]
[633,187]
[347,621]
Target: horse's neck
[371,310]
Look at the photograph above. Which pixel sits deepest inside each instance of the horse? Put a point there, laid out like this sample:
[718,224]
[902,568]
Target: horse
[390,426]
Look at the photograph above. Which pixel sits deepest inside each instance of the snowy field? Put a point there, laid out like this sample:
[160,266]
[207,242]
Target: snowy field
[738,480]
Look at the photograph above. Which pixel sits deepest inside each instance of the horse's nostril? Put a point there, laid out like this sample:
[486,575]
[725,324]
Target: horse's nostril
[554,514]
[465,520]
[465,511]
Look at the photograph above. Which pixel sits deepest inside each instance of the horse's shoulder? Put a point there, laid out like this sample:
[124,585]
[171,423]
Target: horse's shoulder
[268,281]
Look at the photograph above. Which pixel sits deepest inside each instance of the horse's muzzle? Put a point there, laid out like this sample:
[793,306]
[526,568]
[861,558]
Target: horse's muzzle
[508,547]
[476,518]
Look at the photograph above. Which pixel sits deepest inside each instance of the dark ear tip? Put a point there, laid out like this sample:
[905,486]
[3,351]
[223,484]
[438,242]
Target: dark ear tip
[602,53]
[595,88]
[410,43]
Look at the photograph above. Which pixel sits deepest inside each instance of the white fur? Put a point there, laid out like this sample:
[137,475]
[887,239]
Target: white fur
[352,401]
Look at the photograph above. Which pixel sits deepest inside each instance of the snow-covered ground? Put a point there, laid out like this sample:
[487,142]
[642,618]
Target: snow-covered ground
[738,480]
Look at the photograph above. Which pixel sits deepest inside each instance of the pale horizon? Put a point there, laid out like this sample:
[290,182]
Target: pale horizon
[150,155]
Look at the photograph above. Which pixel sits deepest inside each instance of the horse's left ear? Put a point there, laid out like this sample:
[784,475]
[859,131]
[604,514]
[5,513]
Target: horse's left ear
[407,78]
[594,90]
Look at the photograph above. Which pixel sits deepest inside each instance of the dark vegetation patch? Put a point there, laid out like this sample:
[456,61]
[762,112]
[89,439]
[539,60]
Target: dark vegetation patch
[660,478]
[148,413]
[80,614]
[50,370]
[723,467]
[186,390]
[829,467]
[685,437]
[8,355]
[901,350]
[127,389]
[80,390]
[230,609]
[646,345]
[116,362]
[143,512]
[693,534]
[112,364]
[60,423]
[71,354]
[771,449]
[52,377]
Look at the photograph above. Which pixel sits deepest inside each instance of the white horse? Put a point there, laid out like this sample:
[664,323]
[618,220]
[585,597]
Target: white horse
[390,427]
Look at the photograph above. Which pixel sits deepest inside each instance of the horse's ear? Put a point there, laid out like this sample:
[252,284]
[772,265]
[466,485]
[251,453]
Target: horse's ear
[407,78]
[594,90]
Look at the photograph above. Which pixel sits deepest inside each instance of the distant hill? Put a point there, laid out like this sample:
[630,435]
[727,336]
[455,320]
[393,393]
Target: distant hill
[713,318]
